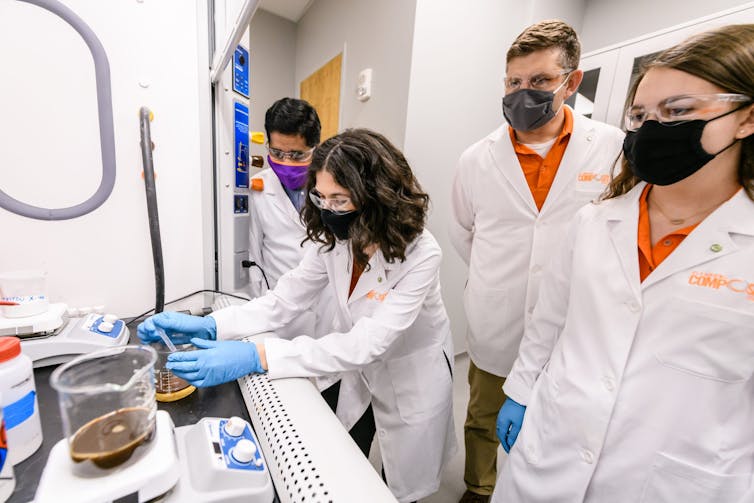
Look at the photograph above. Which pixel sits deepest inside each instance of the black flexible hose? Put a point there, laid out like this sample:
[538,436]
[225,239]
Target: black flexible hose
[154,219]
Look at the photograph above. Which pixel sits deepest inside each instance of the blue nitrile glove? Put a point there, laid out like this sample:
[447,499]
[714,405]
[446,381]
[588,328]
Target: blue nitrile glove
[180,327]
[215,362]
[509,421]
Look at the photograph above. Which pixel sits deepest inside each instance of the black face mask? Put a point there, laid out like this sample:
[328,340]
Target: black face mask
[663,154]
[529,109]
[338,224]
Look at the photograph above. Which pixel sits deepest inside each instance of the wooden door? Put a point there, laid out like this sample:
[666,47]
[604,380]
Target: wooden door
[322,90]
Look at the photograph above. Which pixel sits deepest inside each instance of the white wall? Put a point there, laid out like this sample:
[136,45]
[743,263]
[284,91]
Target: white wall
[608,22]
[50,148]
[375,34]
[570,11]
[454,100]
[272,44]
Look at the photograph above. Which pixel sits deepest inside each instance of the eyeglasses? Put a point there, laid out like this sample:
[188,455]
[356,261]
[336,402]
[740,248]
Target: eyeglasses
[293,155]
[540,82]
[337,204]
[679,109]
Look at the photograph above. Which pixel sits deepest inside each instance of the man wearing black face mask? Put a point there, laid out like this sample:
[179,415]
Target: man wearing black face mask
[513,194]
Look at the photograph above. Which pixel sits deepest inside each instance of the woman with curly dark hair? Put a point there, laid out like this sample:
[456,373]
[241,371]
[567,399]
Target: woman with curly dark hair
[392,340]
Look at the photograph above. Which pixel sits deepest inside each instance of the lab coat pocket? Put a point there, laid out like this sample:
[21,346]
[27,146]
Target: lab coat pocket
[422,384]
[583,195]
[709,341]
[671,479]
[540,418]
[486,312]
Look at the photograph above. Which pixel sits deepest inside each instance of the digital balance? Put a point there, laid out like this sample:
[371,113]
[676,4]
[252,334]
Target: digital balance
[118,447]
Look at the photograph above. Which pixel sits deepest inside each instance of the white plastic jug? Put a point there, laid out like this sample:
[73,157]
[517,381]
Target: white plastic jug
[7,480]
[19,401]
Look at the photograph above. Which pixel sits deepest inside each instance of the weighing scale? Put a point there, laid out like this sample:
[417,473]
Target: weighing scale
[51,337]
[214,460]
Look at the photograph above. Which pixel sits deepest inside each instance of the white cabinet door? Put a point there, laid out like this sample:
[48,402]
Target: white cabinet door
[593,96]
[631,55]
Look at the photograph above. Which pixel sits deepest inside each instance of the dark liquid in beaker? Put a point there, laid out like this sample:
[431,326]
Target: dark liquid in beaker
[166,382]
[110,440]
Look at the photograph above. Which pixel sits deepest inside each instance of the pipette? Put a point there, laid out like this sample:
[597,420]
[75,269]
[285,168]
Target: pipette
[165,339]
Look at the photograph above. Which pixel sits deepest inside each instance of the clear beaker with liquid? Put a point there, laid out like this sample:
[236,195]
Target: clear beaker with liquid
[107,403]
[169,387]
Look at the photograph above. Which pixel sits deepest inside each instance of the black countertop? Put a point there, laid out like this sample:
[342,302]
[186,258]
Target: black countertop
[219,401]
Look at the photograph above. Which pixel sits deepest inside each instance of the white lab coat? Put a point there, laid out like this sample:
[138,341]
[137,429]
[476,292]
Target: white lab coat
[393,331]
[496,228]
[276,234]
[639,391]
[275,238]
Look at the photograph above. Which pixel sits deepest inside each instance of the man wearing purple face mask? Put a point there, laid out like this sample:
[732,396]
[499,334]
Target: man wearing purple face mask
[276,234]
[278,193]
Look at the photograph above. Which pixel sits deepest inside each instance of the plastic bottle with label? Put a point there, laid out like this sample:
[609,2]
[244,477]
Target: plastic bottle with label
[7,480]
[19,401]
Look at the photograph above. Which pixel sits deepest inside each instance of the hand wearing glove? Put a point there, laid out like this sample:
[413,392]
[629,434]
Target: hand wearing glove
[509,421]
[216,362]
[181,328]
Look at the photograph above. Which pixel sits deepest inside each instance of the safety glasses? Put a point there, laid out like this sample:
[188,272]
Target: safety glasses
[293,155]
[338,205]
[684,108]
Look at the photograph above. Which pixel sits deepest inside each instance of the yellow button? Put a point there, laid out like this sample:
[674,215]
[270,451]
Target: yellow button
[257,137]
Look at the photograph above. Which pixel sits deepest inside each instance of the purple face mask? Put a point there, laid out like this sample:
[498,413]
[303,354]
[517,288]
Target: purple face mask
[292,176]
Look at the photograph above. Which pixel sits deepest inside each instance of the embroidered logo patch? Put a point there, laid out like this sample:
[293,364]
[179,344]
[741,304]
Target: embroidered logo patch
[379,297]
[720,281]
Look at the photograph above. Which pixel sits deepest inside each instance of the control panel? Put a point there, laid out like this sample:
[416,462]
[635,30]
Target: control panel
[221,461]
[235,445]
[77,336]
[241,144]
[108,325]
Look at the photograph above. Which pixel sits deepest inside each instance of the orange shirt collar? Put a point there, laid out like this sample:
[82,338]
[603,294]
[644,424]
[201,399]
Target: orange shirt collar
[564,134]
[651,257]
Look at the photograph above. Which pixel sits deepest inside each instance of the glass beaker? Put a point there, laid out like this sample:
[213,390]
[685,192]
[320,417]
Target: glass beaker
[108,407]
[169,387]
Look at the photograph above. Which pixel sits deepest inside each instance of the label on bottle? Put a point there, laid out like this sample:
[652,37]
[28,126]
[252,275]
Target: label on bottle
[20,410]
[7,481]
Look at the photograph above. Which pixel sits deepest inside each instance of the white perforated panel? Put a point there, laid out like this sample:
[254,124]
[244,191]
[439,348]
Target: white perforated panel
[309,453]
[297,478]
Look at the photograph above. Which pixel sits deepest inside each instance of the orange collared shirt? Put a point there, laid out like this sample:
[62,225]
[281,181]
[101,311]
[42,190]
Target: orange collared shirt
[356,272]
[539,172]
[651,256]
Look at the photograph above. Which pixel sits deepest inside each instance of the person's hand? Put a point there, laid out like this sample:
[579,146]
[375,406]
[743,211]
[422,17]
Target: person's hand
[509,421]
[215,362]
[181,328]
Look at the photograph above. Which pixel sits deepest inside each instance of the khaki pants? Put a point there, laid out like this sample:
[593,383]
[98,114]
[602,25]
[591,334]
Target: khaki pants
[485,400]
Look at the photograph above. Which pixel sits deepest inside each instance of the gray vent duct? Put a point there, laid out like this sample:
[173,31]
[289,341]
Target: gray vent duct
[106,134]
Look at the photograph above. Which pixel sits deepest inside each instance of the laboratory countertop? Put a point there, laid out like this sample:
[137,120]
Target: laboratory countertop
[220,401]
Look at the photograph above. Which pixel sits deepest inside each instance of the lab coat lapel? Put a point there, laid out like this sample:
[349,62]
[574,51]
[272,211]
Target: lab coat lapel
[506,160]
[275,190]
[342,263]
[579,147]
[372,281]
[622,223]
[710,240]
